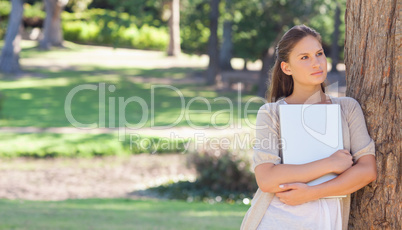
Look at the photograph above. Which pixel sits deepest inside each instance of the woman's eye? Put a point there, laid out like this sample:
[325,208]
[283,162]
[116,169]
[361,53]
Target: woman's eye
[320,54]
[304,58]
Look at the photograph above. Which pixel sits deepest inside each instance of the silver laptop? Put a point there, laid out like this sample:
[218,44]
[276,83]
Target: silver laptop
[310,132]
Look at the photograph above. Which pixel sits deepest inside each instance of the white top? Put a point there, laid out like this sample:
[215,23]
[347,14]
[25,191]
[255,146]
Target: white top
[323,214]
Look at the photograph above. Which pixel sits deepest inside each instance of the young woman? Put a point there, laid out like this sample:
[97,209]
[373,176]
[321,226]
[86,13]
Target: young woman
[283,200]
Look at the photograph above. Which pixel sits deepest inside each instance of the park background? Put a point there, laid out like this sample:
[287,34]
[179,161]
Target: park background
[59,175]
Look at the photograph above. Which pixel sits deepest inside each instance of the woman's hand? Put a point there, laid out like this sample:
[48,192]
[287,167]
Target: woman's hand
[295,194]
[340,161]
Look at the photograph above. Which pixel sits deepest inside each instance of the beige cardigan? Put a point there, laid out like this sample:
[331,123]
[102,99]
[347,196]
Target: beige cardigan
[355,139]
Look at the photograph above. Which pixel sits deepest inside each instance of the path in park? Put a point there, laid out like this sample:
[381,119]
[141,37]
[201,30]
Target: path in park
[106,177]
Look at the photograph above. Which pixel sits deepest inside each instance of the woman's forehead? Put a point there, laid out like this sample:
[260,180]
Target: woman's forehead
[307,44]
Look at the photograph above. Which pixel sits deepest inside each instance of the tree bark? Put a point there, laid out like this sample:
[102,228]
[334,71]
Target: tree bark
[335,38]
[52,31]
[9,61]
[372,57]
[227,44]
[174,29]
[213,51]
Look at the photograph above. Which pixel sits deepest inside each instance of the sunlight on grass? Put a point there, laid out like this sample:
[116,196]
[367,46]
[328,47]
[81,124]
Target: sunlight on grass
[33,83]
[82,145]
[38,99]
[40,102]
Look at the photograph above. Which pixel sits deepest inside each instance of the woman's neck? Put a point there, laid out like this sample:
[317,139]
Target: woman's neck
[313,95]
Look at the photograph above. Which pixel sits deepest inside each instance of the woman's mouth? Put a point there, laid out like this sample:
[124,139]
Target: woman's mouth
[317,73]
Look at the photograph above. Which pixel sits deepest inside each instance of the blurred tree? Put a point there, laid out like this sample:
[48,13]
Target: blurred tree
[174,28]
[227,44]
[335,38]
[213,50]
[9,60]
[373,77]
[52,31]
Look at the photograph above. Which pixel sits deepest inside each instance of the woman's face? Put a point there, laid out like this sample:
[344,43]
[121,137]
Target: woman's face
[307,63]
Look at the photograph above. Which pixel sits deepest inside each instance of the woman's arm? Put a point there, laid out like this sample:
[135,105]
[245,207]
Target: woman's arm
[356,177]
[270,176]
[353,179]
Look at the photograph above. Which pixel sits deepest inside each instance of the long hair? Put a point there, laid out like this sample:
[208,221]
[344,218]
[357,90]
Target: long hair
[282,84]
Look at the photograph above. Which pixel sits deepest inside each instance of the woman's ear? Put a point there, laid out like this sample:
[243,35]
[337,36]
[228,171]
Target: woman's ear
[285,68]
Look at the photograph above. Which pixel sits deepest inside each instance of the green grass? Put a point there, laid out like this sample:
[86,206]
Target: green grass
[82,145]
[40,102]
[39,98]
[119,214]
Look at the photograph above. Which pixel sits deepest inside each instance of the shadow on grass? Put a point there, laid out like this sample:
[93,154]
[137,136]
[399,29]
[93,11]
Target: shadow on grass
[194,191]
[118,214]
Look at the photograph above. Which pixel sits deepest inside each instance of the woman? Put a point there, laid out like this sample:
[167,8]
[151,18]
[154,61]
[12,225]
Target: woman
[283,200]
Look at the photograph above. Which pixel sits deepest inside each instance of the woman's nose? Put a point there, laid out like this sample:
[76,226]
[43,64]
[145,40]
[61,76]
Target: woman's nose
[315,62]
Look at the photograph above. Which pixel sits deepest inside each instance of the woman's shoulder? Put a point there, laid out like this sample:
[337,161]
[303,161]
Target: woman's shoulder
[348,105]
[271,106]
[346,101]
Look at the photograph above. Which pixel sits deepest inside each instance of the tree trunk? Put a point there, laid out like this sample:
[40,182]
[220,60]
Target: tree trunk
[52,31]
[227,45]
[245,65]
[174,29]
[372,57]
[213,51]
[335,38]
[267,59]
[10,55]
[267,62]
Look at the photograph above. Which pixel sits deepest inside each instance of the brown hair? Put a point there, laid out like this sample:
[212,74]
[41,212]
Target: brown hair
[282,84]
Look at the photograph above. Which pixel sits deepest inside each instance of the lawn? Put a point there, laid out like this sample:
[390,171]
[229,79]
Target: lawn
[119,214]
[104,87]
[84,145]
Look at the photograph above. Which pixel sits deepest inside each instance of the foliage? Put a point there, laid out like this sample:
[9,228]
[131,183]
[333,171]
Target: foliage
[3,28]
[324,23]
[78,5]
[221,169]
[105,27]
[194,21]
[194,191]
[5,8]
[147,11]
[222,176]
[119,214]
[258,24]
[34,11]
